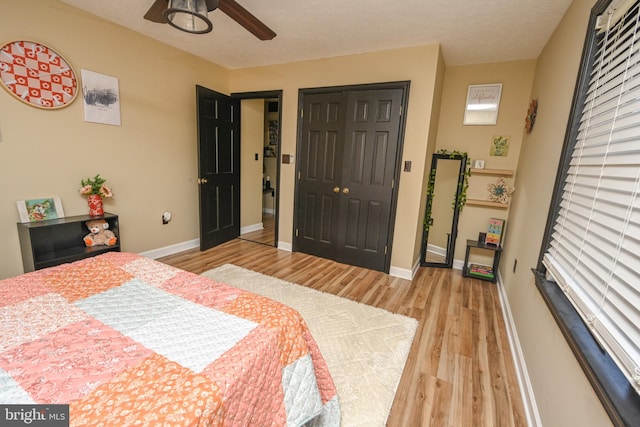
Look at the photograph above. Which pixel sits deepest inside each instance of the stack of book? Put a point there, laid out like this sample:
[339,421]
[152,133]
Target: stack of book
[479,270]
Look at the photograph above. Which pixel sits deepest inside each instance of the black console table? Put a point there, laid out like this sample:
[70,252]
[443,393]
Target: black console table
[57,241]
[497,251]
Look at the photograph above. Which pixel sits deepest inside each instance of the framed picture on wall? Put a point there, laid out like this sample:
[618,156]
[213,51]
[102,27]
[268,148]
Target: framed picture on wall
[483,103]
[101,98]
[478,164]
[273,132]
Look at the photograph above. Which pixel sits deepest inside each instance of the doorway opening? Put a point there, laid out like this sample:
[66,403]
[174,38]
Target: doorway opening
[260,168]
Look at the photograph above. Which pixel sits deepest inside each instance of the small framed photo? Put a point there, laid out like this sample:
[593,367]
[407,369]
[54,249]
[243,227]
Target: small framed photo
[483,102]
[478,164]
[499,146]
[40,209]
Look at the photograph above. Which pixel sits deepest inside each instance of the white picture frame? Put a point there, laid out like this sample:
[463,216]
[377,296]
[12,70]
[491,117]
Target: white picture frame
[483,104]
[101,95]
[35,210]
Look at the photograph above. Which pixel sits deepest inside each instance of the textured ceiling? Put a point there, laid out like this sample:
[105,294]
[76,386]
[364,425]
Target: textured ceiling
[470,31]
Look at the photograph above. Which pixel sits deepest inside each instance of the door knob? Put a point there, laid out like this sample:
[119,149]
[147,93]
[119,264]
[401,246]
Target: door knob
[345,190]
[202,180]
[336,189]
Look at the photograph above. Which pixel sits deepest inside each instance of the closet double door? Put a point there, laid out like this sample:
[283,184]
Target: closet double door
[347,161]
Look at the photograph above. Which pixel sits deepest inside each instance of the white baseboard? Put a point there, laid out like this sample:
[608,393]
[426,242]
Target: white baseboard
[269,211]
[284,246]
[252,227]
[191,244]
[526,389]
[404,273]
[171,249]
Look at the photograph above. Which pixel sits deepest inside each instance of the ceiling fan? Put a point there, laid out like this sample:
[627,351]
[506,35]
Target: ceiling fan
[157,13]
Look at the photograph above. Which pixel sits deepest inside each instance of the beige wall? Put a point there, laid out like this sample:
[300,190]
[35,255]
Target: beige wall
[150,161]
[563,394]
[251,143]
[420,65]
[516,78]
[431,146]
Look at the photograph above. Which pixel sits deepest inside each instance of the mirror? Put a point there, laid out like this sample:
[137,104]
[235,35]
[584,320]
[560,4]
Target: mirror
[446,182]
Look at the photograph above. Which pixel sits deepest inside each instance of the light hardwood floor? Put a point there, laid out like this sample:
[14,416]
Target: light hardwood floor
[267,235]
[459,371]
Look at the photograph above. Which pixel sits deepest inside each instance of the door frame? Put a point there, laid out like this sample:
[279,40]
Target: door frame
[270,94]
[404,86]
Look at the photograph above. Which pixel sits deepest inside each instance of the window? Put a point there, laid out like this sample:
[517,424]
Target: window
[591,253]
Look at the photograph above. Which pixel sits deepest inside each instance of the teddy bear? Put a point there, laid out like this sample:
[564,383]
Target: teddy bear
[99,233]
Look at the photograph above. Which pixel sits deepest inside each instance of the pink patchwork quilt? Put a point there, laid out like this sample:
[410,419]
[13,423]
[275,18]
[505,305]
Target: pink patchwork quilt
[125,340]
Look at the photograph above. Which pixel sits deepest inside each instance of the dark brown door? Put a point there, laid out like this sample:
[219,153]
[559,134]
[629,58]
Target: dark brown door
[347,166]
[319,178]
[218,166]
[368,171]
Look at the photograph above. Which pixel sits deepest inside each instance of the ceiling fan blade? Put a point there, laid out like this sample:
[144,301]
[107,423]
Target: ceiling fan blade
[243,17]
[154,14]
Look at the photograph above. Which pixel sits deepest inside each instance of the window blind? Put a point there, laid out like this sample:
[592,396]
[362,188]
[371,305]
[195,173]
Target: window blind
[594,252]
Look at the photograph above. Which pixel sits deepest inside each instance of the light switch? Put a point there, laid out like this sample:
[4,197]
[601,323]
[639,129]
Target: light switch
[407,165]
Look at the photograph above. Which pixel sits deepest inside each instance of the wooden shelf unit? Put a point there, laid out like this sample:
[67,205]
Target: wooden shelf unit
[497,251]
[58,241]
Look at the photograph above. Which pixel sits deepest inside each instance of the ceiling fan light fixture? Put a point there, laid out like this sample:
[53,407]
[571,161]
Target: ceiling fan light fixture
[189,16]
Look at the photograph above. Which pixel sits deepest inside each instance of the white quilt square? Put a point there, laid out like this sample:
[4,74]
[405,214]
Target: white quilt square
[178,329]
[130,306]
[193,335]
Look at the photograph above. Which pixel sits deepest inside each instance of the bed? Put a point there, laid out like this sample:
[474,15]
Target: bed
[126,340]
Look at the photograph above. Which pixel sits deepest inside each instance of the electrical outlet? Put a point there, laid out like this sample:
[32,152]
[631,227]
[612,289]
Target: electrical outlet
[166,217]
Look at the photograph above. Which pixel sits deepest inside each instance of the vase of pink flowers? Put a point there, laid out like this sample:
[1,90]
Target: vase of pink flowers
[95,189]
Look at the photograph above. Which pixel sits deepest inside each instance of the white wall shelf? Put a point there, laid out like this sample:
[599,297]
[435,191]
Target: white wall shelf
[496,172]
[492,172]
[487,204]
